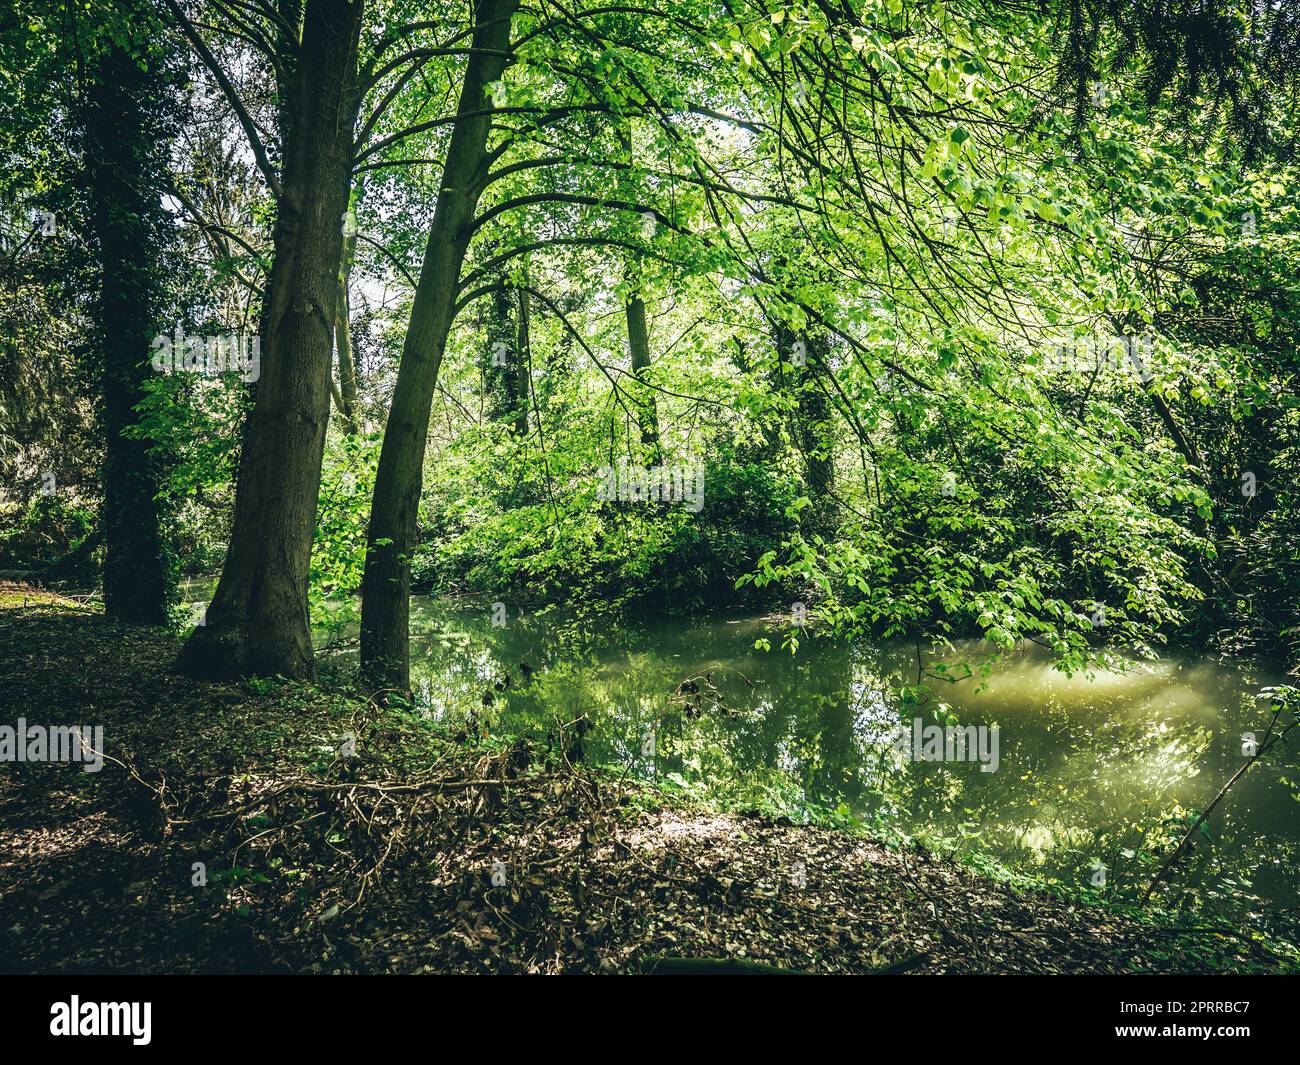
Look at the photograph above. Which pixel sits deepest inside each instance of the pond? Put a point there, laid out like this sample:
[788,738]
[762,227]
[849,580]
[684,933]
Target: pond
[1079,771]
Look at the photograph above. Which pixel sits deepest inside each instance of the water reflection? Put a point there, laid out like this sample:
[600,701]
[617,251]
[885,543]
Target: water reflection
[1089,766]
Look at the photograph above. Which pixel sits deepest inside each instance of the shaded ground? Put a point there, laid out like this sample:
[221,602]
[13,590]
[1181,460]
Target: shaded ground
[385,861]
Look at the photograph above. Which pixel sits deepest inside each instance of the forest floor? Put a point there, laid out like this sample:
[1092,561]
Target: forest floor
[424,854]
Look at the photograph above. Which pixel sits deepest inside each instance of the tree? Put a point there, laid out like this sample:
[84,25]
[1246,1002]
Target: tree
[638,342]
[126,162]
[505,373]
[804,363]
[258,620]
[386,586]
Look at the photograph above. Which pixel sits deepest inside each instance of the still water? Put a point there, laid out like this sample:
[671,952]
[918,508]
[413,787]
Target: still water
[1087,767]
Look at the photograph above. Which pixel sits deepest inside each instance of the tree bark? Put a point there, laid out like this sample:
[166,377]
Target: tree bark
[257,623]
[523,360]
[501,374]
[812,424]
[125,162]
[638,340]
[343,341]
[386,585]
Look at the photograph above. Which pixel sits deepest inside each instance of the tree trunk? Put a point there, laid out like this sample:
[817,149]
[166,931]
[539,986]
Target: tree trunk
[386,586]
[258,622]
[343,340]
[523,361]
[816,431]
[638,340]
[813,425]
[125,161]
[501,374]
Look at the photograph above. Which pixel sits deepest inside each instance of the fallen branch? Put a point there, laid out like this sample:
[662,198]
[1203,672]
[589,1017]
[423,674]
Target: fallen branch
[1271,740]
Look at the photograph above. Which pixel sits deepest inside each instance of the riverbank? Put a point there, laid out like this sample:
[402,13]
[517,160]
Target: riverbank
[290,828]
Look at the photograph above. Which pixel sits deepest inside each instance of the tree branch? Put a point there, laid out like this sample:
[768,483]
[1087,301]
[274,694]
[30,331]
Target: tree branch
[232,97]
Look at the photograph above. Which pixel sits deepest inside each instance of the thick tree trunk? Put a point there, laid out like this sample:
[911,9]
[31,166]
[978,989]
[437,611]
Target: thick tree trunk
[125,161]
[386,586]
[258,623]
[638,340]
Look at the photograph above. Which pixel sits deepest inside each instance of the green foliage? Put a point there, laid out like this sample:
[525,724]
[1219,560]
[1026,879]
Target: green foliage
[338,557]
[46,530]
[566,545]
